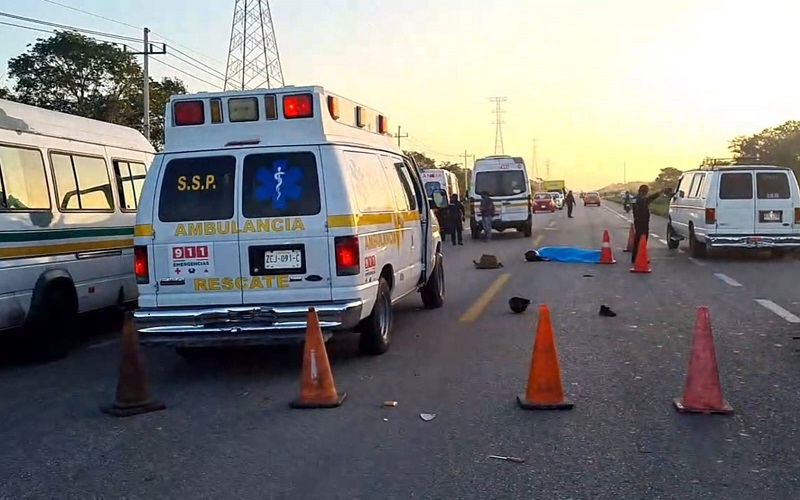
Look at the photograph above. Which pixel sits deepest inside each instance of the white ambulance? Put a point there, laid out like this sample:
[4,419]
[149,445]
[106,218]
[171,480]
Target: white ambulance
[267,202]
[440,179]
[505,180]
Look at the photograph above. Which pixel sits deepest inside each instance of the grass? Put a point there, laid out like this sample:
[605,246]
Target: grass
[659,207]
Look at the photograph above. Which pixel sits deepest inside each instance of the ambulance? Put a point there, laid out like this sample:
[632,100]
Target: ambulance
[505,180]
[265,203]
[438,179]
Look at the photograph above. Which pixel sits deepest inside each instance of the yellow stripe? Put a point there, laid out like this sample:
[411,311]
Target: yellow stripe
[64,248]
[476,309]
[357,220]
[143,230]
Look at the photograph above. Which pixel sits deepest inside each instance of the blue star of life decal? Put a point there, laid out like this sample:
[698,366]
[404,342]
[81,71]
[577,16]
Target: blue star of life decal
[278,184]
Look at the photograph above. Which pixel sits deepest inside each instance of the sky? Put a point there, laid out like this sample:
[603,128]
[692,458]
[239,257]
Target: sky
[610,90]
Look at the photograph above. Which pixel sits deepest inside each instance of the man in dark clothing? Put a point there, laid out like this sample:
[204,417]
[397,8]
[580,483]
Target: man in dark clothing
[487,214]
[641,216]
[455,219]
[570,202]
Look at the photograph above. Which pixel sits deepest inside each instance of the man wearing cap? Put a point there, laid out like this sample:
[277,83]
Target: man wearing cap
[641,216]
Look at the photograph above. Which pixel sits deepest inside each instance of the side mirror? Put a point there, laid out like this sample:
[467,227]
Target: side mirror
[439,198]
[681,194]
[669,192]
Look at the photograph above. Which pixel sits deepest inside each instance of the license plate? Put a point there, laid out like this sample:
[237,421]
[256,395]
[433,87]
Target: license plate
[771,216]
[283,259]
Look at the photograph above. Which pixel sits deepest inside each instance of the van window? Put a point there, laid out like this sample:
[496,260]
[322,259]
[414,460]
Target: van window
[130,179]
[280,184]
[500,182]
[370,186]
[736,186]
[432,186]
[772,185]
[414,184]
[405,180]
[697,184]
[82,182]
[197,189]
[23,185]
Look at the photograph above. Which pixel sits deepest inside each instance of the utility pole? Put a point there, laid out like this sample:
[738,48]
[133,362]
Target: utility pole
[466,169]
[534,164]
[624,172]
[398,136]
[148,51]
[547,168]
[498,135]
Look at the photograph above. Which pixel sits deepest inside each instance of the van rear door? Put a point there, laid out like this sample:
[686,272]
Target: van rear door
[508,187]
[774,207]
[195,245]
[735,211]
[283,254]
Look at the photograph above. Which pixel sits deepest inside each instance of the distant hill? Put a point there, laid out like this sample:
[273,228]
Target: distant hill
[619,187]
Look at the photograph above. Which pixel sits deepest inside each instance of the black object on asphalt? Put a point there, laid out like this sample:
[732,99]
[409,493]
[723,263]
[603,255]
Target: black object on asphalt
[607,312]
[518,304]
[533,256]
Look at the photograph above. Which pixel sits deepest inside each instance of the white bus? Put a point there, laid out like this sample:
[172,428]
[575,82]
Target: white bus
[69,189]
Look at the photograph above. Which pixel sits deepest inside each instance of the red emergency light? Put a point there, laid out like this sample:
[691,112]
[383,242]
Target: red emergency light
[189,113]
[298,106]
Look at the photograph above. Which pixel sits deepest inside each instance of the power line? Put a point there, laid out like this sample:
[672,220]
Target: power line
[122,23]
[70,28]
[187,74]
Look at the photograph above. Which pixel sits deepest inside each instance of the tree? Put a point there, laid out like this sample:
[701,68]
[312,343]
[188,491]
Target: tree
[421,160]
[6,94]
[667,178]
[460,172]
[75,74]
[777,145]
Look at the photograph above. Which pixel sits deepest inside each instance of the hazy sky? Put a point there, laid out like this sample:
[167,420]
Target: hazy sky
[597,83]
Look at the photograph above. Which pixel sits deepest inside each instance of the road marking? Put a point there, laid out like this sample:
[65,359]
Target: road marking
[616,213]
[727,279]
[662,241]
[783,313]
[697,262]
[552,223]
[537,240]
[476,309]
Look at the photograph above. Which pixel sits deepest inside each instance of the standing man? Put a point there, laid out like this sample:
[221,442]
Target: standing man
[487,214]
[641,216]
[455,219]
[570,201]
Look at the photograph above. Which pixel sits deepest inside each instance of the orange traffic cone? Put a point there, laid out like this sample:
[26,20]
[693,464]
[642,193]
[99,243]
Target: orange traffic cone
[642,262]
[131,397]
[545,390]
[606,257]
[317,389]
[631,239]
[702,392]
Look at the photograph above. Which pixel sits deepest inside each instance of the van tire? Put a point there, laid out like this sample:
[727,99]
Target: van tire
[433,291]
[376,329]
[49,334]
[527,230]
[697,249]
[672,243]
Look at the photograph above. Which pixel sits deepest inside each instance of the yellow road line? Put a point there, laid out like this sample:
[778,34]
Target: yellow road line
[476,309]
[537,240]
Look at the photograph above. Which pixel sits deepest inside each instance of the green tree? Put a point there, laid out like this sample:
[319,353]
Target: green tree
[777,145]
[460,172]
[421,160]
[75,74]
[6,94]
[668,177]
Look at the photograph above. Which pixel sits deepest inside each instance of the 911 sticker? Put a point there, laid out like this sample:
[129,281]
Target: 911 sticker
[191,260]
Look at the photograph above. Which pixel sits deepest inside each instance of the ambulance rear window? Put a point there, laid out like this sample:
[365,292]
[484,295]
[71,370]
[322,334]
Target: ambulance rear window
[280,184]
[197,189]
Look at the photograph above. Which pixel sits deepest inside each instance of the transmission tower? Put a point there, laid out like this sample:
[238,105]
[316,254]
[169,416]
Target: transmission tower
[498,135]
[253,59]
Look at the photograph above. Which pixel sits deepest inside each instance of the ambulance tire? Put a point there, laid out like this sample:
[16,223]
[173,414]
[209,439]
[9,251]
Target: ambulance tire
[527,231]
[433,291]
[49,334]
[376,329]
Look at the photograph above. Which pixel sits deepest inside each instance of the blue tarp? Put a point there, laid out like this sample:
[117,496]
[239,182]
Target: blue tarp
[570,254]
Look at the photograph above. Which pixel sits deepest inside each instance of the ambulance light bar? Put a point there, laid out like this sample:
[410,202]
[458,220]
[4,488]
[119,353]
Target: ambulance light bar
[189,113]
[298,106]
[243,109]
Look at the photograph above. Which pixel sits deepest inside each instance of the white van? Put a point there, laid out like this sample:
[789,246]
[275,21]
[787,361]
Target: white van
[440,179]
[267,202]
[505,180]
[69,189]
[735,206]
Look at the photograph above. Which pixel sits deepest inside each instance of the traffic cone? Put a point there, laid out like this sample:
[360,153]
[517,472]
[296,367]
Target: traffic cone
[545,390]
[642,263]
[631,239]
[702,392]
[606,257]
[317,389]
[131,396]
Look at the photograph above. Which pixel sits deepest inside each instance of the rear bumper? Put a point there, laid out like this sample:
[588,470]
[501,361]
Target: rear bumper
[752,241]
[241,325]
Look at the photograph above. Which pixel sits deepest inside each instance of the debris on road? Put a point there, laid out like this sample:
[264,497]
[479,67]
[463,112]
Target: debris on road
[390,404]
[606,311]
[508,459]
[518,304]
[427,416]
[487,261]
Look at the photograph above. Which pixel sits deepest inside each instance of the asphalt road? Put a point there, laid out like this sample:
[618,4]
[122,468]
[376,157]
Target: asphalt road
[229,433]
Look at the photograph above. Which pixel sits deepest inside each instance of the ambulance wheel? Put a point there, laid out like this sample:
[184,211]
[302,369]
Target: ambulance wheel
[376,329]
[49,334]
[433,291]
[527,230]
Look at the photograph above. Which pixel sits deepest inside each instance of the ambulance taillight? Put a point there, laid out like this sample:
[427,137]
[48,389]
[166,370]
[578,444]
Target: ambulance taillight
[348,262]
[140,266]
[298,106]
[189,113]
